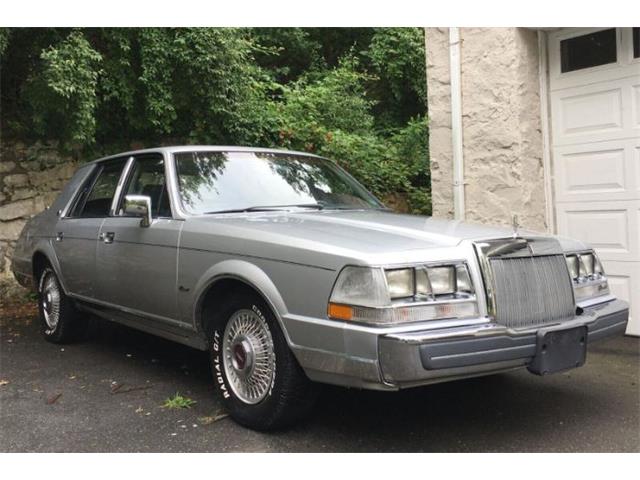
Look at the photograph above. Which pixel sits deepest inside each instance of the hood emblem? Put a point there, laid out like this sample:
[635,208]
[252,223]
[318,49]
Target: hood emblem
[516,225]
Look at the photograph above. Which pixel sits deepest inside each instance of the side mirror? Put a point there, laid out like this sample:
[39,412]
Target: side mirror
[138,206]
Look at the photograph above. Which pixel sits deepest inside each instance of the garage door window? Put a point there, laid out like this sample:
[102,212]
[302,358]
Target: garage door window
[590,50]
[636,42]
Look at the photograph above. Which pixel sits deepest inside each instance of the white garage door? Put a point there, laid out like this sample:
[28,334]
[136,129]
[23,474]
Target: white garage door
[594,85]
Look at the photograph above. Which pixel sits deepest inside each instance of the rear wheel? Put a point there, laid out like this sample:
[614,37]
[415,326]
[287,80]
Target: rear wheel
[260,381]
[58,315]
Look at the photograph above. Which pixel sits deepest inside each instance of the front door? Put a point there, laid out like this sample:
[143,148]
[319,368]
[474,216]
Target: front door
[76,233]
[136,266]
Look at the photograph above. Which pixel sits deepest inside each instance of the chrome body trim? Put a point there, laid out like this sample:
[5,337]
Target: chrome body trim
[123,178]
[510,248]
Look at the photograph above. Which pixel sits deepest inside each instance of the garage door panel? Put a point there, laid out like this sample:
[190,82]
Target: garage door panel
[591,113]
[585,173]
[610,227]
[594,113]
[598,171]
[605,230]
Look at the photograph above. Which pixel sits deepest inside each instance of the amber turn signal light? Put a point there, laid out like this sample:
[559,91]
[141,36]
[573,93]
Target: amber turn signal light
[340,312]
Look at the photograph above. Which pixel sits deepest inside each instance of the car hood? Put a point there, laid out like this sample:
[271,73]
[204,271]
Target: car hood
[355,234]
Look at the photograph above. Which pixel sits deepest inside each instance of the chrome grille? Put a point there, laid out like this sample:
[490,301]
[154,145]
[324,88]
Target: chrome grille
[531,290]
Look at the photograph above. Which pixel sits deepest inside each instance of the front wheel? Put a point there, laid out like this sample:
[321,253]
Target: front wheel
[260,381]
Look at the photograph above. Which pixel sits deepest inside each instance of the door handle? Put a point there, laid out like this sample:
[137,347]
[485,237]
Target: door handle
[107,237]
[59,236]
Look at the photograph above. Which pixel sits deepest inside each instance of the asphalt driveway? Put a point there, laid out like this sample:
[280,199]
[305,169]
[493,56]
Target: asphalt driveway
[106,394]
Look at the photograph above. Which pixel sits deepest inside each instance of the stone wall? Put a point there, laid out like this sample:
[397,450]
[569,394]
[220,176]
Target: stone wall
[502,142]
[30,179]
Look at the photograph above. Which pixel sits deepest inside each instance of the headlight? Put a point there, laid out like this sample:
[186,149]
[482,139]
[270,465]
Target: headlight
[361,286]
[587,275]
[399,295]
[401,283]
[443,280]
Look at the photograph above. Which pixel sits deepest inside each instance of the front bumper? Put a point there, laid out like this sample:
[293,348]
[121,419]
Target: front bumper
[418,358]
[375,358]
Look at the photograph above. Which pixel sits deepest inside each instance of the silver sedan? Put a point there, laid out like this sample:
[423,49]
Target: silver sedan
[291,274]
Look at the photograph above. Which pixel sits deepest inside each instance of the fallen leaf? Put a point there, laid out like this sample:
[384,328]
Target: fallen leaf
[139,410]
[53,398]
[220,417]
[4,382]
[212,419]
[72,377]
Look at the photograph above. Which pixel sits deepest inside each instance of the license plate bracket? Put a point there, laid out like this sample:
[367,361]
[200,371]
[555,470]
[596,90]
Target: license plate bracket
[559,349]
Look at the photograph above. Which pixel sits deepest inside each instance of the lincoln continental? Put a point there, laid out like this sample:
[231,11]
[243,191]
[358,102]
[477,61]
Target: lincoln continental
[291,274]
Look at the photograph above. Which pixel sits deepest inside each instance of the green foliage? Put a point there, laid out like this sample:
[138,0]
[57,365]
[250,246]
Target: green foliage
[4,39]
[64,94]
[356,95]
[178,401]
[397,57]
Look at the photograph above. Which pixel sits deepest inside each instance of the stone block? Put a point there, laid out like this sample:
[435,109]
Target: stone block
[16,180]
[6,166]
[11,230]
[11,211]
[22,194]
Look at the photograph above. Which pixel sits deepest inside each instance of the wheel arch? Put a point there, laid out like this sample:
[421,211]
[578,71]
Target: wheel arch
[42,255]
[234,274]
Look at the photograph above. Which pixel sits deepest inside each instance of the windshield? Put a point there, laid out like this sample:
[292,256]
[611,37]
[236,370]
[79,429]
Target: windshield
[214,182]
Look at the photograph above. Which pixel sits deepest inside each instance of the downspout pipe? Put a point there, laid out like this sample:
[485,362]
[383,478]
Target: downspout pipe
[456,124]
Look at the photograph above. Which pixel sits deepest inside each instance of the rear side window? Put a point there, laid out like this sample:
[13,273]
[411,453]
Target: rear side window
[147,178]
[96,198]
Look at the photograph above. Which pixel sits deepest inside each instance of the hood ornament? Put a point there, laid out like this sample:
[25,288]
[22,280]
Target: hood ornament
[516,225]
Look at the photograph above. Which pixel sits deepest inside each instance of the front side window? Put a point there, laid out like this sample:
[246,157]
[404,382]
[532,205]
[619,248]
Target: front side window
[147,178]
[214,182]
[96,198]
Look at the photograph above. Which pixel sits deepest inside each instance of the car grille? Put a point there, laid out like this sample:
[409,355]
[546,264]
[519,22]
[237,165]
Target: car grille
[531,290]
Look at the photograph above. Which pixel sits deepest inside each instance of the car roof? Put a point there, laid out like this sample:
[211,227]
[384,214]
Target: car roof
[204,148]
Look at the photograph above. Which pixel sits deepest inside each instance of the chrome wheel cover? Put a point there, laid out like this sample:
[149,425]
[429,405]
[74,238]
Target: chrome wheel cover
[50,300]
[249,357]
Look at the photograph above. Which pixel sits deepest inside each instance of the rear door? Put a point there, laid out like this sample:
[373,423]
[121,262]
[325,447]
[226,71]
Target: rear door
[136,266]
[76,234]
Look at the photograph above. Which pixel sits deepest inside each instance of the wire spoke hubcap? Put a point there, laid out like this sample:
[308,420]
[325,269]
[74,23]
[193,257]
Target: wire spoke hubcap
[249,358]
[50,300]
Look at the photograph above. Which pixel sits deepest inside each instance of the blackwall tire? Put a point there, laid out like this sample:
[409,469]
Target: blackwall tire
[258,378]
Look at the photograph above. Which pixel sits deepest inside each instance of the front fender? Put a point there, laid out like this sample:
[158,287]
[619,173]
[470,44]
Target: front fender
[248,273]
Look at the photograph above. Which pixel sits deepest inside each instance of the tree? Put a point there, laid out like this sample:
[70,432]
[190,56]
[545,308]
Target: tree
[357,94]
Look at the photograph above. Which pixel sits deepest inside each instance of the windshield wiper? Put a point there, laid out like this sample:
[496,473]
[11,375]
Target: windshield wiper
[268,208]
